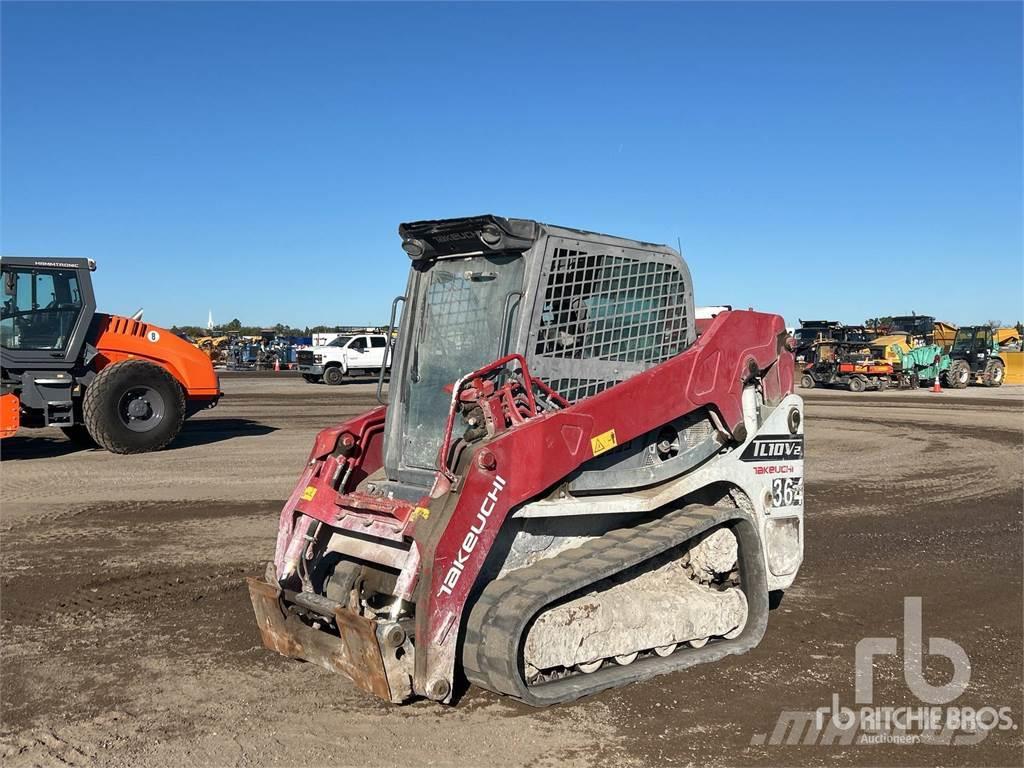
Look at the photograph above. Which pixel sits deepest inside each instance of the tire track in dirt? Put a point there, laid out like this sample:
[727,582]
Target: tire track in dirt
[144,572]
[1007,437]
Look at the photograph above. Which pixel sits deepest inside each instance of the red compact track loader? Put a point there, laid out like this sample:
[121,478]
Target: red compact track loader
[568,490]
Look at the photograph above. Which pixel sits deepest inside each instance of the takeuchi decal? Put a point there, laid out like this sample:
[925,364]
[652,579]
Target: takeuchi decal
[451,578]
[774,448]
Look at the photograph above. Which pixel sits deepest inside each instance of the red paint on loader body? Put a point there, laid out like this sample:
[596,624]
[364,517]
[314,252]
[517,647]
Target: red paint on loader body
[460,525]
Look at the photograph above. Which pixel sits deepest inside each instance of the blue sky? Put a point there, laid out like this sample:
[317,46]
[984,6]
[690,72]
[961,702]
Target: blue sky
[817,160]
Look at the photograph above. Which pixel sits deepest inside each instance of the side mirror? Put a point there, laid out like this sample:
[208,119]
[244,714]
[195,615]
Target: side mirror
[10,283]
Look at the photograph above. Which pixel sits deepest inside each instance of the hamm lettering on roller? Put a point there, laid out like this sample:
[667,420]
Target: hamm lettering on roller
[775,448]
[472,537]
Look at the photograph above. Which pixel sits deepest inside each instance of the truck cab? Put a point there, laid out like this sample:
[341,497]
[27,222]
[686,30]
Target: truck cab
[345,355]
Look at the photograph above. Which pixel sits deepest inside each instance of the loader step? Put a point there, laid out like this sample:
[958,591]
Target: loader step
[500,619]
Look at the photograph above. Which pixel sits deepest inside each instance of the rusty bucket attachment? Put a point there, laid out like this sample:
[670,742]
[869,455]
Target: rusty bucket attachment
[356,651]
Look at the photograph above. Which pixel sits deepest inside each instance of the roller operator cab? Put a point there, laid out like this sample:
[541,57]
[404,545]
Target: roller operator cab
[566,491]
[114,381]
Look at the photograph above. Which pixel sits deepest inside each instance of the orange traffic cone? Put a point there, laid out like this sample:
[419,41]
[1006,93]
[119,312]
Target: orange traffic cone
[936,387]
[277,365]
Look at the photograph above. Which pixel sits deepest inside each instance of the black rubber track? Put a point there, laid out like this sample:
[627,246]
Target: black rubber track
[100,402]
[498,623]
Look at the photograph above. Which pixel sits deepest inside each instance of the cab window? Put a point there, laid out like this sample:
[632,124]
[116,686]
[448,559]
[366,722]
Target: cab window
[358,343]
[40,308]
[378,342]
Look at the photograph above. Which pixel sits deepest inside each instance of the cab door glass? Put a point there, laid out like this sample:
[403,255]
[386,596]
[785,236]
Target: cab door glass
[378,348]
[40,308]
[358,345]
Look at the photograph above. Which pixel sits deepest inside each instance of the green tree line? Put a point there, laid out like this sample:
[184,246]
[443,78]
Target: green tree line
[235,326]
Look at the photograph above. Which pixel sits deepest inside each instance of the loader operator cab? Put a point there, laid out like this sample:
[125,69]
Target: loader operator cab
[46,309]
[976,346]
[459,317]
[977,340]
[586,311]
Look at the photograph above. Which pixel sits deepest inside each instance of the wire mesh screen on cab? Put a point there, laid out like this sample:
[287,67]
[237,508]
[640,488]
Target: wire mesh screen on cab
[606,316]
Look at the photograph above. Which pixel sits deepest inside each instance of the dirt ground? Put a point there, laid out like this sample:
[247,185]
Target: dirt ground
[127,635]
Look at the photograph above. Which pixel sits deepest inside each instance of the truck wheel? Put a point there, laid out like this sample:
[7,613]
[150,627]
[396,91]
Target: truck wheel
[958,375]
[311,378]
[994,373]
[807,381]
[79,435]
[858,384]
[333,375]
[133,407]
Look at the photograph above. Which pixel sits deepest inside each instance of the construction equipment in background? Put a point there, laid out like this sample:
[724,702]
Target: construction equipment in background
[103,379]
[567,491]
[207,343]
[215,347]
[259,353]
[920,330]
[943,334]
[889,348]
[1014,371]
[920,327]
[975,358]
[846,364]
[812,331]
[918,366]
[1008,339]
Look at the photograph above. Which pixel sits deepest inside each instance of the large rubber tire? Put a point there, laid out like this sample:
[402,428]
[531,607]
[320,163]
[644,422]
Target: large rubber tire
[312,379]
[133,407]
[994,373]
[958,375]
[79,435]
[858,384]
[333,375]
[807,381]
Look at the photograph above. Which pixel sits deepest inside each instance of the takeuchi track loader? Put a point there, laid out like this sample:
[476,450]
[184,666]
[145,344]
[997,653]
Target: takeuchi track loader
[568,489]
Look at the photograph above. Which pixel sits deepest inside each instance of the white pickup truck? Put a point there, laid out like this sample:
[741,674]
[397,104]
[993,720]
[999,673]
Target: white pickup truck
[344,356]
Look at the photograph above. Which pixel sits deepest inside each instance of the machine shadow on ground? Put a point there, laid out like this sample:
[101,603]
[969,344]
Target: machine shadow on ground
[194,433]
[214,430]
